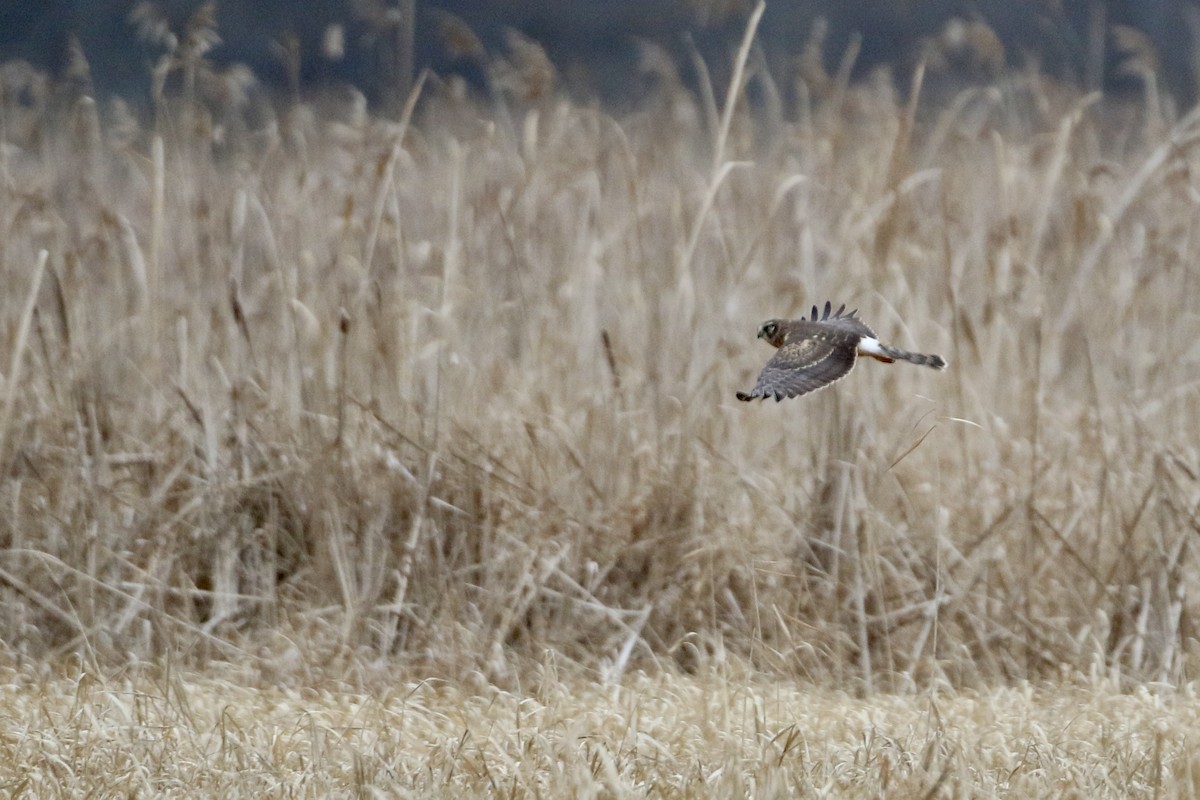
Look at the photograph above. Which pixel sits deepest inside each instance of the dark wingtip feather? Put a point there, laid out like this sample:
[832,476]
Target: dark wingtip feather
[745,397]
[828,308]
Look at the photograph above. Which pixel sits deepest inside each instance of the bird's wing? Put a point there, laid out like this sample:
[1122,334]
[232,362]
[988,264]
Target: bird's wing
[801,367]
[841,320]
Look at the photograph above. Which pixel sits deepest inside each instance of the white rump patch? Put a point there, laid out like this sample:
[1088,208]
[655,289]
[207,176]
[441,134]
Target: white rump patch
[871,347]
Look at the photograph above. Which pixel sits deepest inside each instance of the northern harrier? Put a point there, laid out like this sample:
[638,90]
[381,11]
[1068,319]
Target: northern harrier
[814,353]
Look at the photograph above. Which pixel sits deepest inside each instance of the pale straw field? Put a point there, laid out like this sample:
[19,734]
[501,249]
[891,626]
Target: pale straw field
[670,736]
[354,457]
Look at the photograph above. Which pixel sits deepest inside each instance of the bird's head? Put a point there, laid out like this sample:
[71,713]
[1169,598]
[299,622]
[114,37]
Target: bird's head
[772,330]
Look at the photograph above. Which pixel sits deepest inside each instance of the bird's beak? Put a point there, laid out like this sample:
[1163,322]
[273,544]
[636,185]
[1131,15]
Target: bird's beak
[760,333]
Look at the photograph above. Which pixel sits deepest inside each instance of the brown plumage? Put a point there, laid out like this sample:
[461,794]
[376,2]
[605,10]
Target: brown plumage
[813,353]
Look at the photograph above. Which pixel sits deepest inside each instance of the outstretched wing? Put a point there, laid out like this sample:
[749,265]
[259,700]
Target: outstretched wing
[842,320]
[801,367]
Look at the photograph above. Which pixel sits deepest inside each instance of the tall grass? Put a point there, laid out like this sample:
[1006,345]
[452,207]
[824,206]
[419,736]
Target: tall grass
[456,392]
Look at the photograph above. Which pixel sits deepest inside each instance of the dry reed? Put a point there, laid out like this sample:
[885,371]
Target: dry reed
[338,396]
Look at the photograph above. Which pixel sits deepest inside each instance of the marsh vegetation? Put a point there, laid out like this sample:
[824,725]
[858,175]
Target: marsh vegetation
[330,401]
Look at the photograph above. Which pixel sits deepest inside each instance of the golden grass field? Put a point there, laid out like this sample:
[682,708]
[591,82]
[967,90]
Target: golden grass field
[727,735]
[353,456]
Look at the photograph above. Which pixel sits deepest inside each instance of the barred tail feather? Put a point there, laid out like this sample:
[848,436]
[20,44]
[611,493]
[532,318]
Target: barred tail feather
[920,359]
[876,348]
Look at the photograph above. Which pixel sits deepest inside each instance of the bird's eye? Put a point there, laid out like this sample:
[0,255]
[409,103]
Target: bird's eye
[770,329]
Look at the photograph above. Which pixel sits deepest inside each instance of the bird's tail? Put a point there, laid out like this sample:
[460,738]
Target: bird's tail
[869,346]
[920,359]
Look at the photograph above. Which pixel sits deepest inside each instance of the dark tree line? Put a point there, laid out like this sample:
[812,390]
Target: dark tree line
[599,48]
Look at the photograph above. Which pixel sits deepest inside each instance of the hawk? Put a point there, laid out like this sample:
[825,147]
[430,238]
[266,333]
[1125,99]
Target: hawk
[815,352]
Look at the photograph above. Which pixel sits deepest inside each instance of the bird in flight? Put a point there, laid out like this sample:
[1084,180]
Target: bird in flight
[813,353]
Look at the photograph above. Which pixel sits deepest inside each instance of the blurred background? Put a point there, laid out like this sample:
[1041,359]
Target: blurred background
[612,50]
